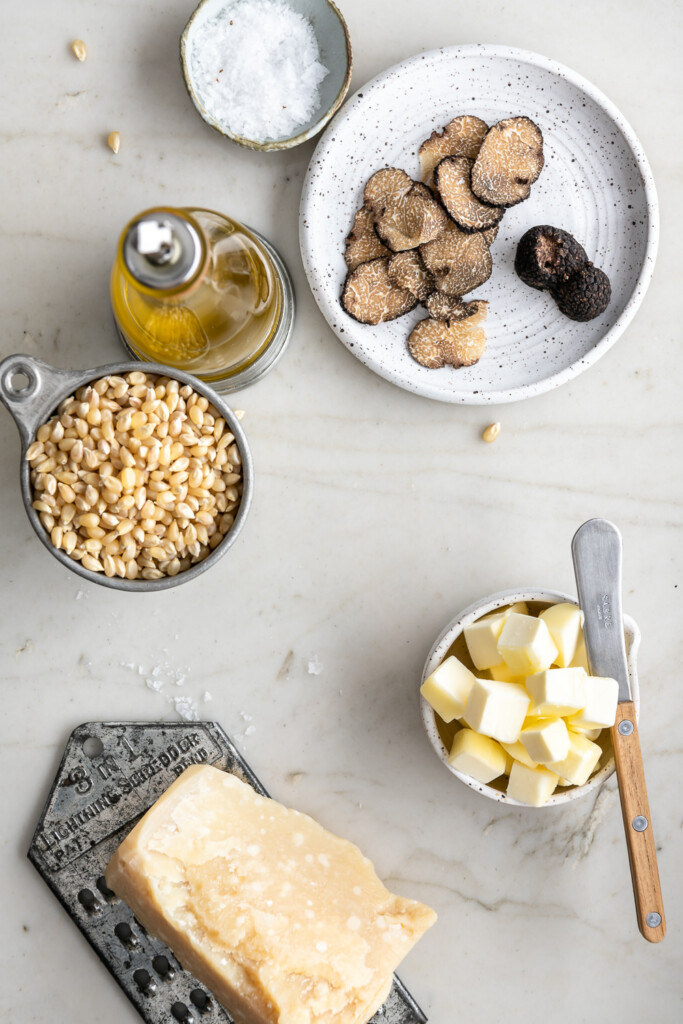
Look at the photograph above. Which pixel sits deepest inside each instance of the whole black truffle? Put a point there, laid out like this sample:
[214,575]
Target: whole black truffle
[547,256]
[585,295]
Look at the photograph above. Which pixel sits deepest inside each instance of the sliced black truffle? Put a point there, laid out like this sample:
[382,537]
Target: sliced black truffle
[462,136]
[509,162]
[458,261]
[546,256]
[407,270]
[450,307]
[363,243]
[585,295]
[436,343]
[452,180]
[491,234]
[406,213]
[370,296]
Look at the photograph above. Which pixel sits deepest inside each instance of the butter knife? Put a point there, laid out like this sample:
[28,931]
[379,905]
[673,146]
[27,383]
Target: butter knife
[596,550]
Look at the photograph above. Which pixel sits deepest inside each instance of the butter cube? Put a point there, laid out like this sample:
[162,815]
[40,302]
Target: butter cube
[525,644]
[520,606]
[504,674]
[580,760]
[509,761]
[497,709]
[448,688]
[546,740]
[517,751]
[481,639]
[580,659]
[564,624]
[600,708]
[557,691]
[477,756]
[532,786]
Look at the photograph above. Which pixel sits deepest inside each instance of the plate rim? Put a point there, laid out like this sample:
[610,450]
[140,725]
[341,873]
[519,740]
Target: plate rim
[554,380]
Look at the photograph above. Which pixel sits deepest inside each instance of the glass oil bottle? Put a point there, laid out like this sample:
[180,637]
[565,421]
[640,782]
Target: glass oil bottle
[200,292]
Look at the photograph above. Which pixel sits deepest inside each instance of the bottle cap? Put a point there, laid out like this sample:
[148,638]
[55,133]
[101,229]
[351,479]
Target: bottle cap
[162,250]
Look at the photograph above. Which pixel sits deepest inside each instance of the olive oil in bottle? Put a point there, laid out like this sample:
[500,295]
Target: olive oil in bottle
[200,292]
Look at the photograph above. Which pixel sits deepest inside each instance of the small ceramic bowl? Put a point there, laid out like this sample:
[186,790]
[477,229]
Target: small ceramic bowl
[31,390]
[335,53]
[452,641]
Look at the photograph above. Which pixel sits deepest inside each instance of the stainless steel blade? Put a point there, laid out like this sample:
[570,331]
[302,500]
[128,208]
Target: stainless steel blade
[596,550]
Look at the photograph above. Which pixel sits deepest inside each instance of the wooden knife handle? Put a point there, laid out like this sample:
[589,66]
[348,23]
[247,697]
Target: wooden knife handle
[640,839]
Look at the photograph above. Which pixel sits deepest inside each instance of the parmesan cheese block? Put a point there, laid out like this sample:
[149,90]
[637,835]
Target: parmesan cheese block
[283,921]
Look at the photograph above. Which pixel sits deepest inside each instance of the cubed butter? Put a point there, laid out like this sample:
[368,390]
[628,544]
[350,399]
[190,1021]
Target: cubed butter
[448,688]
[280,919]
[580,659]
[564,624]
[532,786]
[556,692]
[519,606]
[518,752]
[546,740]
[477,756]
[581,759]
[497,709]
[504,674]
[481,638]
[509,761]
[600,708]
[525,644]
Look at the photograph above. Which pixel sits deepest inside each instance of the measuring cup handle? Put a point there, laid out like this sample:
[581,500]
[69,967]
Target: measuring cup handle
[31,389]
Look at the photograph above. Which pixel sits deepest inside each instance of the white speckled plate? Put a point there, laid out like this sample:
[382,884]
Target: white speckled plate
[596,183]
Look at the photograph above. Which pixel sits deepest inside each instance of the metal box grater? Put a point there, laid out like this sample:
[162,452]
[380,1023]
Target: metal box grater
[110,774]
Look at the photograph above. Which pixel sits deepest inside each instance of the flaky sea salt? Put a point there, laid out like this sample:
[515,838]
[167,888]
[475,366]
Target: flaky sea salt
[256,68]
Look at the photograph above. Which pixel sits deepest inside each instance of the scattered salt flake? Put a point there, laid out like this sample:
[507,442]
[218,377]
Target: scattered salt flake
[245,716]
[80,595]
[256,68]
[315,666]
[250,730]
[186,708]
[155,684]
[207,697]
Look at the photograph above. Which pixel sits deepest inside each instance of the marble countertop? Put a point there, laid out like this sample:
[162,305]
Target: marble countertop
[377,516]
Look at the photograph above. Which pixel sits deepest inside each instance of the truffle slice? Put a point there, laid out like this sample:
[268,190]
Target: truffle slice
[491,234]
[450,307]
[509,162]
[370,296]
[363,244]
[390,184]
[435,343]
[585,295]
[407,270]
[452,179]
[458,261]
[404,220]
[462,136]
[547,256]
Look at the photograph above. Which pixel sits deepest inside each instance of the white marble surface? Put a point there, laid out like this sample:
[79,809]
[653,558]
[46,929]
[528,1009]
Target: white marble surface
[377,516]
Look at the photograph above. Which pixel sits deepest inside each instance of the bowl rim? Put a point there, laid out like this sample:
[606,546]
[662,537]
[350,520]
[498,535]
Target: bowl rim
[445,640]
[57,384]
[273,144]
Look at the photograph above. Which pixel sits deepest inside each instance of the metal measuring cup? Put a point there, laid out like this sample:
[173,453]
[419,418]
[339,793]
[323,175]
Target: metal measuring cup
[32,390]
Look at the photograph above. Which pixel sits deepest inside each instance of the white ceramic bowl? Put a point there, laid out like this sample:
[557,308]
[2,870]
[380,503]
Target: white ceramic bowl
[596,183]
[452,641]
[335,54]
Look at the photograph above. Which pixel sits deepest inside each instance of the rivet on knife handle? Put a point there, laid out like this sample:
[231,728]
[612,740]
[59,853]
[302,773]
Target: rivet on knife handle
[596,549]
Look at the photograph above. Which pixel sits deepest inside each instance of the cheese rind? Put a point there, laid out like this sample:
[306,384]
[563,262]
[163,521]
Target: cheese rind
[477,756]
[557,691]
[600,707]
[283,921]
[448,688]
[564,624]
[525,644]
[497,709]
